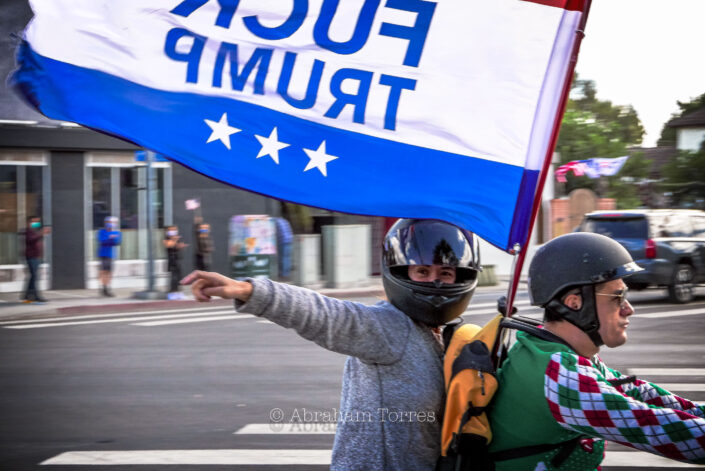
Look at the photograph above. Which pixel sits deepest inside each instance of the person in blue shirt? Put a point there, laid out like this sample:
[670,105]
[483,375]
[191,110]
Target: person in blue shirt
[108,237]
[285,240]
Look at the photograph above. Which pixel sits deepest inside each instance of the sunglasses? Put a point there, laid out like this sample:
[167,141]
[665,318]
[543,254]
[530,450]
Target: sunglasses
[622,296]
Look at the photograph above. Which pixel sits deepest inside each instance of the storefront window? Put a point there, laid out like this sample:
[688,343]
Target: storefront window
[127,202]
[101,207]
[9,240]
[129,213]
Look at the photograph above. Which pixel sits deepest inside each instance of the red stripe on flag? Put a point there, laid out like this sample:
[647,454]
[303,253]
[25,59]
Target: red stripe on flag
[576,5]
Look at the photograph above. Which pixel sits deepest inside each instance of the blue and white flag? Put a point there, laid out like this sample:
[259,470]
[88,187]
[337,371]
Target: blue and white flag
[407,108]
[599,166]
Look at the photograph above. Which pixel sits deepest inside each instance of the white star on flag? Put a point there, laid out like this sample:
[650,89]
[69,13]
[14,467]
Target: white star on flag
[221,130]
[271,145]
[318,159]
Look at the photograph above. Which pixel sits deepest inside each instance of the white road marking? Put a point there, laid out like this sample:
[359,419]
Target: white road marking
[494,305]
[641,460]
[523,312]
[667,371]
[193,320]
[683,387]
[121,319]
[297,428]
[114,314]
[616,459]
[192,457]
[664,315]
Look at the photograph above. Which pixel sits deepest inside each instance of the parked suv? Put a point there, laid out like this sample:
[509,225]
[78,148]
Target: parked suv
[668,243]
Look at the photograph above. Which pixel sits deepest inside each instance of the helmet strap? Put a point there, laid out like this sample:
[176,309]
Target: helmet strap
[585,318]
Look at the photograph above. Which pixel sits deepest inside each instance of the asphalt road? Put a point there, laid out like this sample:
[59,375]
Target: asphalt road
[198,389]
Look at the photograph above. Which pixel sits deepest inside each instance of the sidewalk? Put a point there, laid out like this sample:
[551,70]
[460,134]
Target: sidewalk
[80,301]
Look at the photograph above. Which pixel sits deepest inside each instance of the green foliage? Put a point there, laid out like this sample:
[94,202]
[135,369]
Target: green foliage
[627,193]
[684,178]
[668,134]
[597,128]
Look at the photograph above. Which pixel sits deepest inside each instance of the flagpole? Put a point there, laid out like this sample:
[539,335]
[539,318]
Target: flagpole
[520,254]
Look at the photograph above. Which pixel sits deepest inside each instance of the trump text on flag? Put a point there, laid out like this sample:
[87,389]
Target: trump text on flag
[242,60]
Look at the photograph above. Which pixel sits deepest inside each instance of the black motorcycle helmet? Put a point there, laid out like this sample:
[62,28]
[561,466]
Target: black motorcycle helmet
[579,260]
[429,242]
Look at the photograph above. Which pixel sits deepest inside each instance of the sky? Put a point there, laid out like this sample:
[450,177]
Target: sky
[645,53]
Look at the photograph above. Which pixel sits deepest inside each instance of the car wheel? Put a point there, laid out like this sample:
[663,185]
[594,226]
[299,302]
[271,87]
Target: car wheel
[681,289]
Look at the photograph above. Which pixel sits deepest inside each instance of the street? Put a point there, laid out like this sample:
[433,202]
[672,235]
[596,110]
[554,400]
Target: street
[207,388]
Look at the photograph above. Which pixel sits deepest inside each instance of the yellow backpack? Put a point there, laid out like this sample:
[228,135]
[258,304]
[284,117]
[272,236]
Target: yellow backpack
[470,368]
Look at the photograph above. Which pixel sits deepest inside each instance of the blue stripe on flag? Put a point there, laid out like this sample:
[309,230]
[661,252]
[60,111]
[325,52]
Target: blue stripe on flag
[370,176]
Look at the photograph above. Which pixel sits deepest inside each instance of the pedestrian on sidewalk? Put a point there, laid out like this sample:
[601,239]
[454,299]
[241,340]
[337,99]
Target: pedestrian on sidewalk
[393,388]
[109,237]
[174,247]
[203,243]
[33,251]
[285,241]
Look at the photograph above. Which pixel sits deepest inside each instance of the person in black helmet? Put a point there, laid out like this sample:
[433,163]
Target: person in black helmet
[570,402]
[393,390]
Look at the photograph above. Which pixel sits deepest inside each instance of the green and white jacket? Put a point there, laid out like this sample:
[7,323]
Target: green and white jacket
[549,394]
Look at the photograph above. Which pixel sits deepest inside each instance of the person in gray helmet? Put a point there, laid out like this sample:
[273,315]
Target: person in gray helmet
[393,390]
[570,402]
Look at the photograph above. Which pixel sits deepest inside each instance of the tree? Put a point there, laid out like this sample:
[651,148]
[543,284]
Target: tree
[597,128]
[668,134]
[684,179]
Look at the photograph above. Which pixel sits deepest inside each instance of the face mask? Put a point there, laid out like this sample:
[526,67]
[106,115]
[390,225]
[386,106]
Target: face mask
[172,233]
[110,226]
[203,231]
[35,225]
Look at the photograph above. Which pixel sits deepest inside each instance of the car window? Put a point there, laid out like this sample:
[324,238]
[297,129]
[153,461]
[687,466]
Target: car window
[633,228]
[676,225]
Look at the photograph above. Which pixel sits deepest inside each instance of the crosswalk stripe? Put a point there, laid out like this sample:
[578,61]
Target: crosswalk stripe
[664,315]
[106,321]
[641,460]
[297,428]
[616,459]
[114,314]
[683,387]
[667,371]
[193,320]
[192,457]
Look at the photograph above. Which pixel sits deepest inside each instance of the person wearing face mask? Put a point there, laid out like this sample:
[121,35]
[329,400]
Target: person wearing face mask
[109,237]
[557,402]
[33,251]
[393,390]
[203,244]
[173,244]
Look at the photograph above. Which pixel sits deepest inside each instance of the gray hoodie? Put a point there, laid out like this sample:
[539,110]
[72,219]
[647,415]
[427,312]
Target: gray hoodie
[393,391]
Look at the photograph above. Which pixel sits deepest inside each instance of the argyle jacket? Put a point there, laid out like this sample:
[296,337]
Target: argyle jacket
[583,396]
[550,395]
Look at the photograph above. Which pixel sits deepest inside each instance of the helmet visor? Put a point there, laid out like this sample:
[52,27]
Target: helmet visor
[431,243]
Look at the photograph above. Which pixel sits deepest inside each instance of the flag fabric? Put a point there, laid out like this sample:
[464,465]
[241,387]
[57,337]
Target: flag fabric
[578,168]
[591,168]
[402,108]
[192,204]
[597,167]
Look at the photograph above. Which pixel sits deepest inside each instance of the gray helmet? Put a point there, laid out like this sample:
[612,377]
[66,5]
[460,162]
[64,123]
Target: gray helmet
[429,242]
[577,260]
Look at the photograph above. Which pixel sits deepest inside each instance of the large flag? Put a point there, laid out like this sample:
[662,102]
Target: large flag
[406,108]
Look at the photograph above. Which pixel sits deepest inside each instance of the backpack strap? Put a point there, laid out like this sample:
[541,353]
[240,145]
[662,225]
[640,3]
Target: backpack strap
[566,448]
[531,326]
